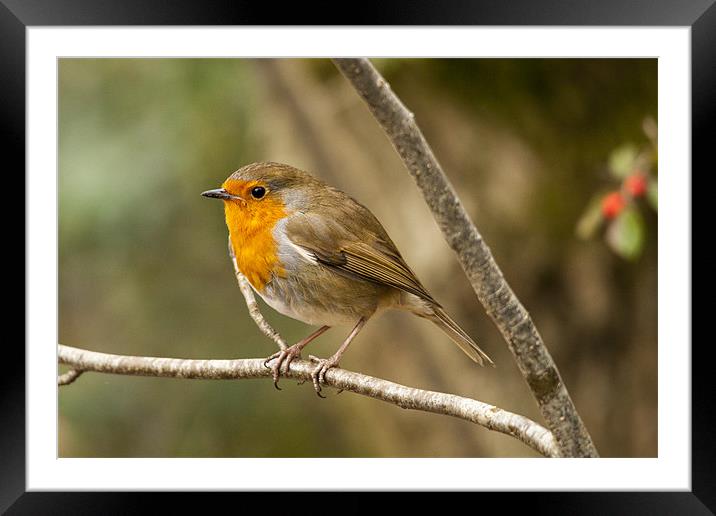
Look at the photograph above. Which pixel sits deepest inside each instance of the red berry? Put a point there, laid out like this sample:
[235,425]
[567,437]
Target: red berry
[612,205]
[635,184]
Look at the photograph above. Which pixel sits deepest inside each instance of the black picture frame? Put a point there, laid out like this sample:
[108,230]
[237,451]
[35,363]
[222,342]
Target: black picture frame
[17,15]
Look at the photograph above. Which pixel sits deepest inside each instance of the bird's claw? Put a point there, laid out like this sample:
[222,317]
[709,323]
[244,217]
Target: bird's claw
[284,356]
[319,373]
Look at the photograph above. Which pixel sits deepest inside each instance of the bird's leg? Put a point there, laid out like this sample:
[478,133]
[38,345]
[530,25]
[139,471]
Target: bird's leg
[287,355]
[319,374]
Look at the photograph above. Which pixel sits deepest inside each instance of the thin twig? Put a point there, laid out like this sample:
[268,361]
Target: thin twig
[69,377]
[513,321]
[483,414]
[253,307]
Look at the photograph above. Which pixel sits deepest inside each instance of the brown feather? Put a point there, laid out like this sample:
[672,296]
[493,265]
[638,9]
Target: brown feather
[373,257]
[390,269]
[380,263]
[345,237]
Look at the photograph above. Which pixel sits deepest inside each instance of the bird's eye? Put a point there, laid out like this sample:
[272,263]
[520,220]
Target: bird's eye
[257,192]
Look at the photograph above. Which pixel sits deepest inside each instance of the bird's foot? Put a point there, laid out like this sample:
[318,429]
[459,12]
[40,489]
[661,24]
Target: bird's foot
[319,373]
[280,357]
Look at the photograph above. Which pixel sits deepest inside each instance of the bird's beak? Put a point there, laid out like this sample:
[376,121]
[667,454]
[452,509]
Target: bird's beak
[220,193]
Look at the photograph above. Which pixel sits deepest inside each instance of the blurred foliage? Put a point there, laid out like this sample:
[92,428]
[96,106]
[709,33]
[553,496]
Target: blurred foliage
[143,265]
[634,171]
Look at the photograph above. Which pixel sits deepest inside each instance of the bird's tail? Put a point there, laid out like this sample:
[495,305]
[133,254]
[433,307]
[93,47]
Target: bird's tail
[458,335]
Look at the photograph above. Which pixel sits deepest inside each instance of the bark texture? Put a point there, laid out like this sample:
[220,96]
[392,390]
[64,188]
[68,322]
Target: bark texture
[486,278]
[483,414]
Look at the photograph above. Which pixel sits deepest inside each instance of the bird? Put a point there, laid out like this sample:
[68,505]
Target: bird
[315,254]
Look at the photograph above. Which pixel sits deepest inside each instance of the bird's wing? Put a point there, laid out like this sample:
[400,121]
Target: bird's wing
[368,255]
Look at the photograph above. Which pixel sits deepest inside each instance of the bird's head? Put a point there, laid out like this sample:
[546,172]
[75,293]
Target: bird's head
[260,186]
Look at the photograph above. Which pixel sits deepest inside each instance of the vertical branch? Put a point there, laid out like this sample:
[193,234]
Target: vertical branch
[253,307]
[501,304]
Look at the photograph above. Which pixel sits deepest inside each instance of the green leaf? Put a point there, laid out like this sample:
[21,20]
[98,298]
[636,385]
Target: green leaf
[625,234]
[591,218]
[651,194]
[621,160]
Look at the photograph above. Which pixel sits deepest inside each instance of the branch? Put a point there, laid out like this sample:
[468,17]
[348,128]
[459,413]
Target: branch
[501,304]
[253,307]
[488,416]
[69,377]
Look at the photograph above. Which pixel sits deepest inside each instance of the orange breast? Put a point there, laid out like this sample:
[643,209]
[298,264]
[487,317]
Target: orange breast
[251,232]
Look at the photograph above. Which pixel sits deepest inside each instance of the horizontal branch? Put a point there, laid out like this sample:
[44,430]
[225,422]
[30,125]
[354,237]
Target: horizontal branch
[483,414]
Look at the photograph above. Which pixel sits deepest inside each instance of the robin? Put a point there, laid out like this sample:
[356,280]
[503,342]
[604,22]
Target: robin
[315,254]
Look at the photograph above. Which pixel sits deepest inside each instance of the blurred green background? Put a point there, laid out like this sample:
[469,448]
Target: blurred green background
[144,269]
